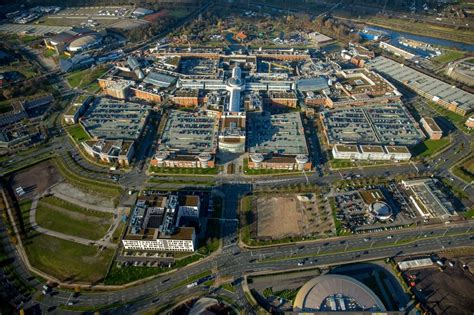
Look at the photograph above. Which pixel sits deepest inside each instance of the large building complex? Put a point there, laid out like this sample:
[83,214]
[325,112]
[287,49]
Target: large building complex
[442,93]
[382,125]
[115,127]
[155,224]
[277,141]
[112,120]
[188,140]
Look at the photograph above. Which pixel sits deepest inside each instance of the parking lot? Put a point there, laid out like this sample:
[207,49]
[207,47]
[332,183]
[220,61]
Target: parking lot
[390,124]
[354,212]
[34,30]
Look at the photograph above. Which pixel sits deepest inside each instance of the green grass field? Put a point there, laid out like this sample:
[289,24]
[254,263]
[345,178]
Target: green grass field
[72,220]
[107,189]
[78,133]
[449,56]
[465,169]
[84,78]
[430,147]
[67,261]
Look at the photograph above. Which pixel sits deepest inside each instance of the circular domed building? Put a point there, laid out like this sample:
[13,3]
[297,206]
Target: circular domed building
[336,293]
[381,210]
[85,42]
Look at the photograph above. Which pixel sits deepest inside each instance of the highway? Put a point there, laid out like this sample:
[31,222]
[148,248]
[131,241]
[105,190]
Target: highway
[236,262]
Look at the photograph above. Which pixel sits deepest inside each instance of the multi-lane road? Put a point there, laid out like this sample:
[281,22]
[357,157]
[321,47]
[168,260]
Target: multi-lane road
[235,262]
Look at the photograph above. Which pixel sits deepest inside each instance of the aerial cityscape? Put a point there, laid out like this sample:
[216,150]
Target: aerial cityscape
[237,157]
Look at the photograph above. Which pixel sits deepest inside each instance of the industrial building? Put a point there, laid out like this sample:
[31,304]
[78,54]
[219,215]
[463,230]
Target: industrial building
[336,293]
[188,140]
[428,198]
[277,142]
[431,128]
[155,226]
[371,125]
[113,120]
[450,97]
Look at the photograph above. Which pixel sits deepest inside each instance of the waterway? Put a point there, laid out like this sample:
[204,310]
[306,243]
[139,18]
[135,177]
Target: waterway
[395,36]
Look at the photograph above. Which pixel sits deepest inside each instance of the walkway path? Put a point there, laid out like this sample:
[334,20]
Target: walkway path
[67,237]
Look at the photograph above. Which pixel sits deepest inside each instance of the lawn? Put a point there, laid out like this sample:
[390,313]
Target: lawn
[420,28]
[68,261]
[430,147]
[84,78]
[455,118]
[5,106]
[341,164]
[449,56]
[246,208]
[78,133]
[105,188]
[229,287]
[465,169]
[63,220]
[122,275]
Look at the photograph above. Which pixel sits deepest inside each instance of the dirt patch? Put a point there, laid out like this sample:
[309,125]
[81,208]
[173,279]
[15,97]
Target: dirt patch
[36,179]
[278,217]
[75,193]
[284,216]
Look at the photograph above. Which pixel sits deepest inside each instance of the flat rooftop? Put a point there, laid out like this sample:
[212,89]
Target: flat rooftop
[281,134]
[423,82]
[109,119]
[187,132]
[380,124]
[432,124]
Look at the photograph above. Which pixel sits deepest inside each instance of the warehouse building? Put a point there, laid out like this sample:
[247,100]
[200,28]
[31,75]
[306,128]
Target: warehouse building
[450,97]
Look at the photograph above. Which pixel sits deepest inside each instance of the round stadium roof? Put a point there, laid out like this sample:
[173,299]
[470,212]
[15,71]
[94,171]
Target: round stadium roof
[84,42]
[336,293]
[381,210]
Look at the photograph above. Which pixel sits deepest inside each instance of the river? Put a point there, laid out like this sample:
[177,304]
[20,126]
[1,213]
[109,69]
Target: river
[395,35]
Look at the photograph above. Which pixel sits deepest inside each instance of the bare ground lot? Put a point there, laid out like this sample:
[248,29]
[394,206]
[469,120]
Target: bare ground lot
[36,179]
[445,292]
[74,193]
[284,216]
